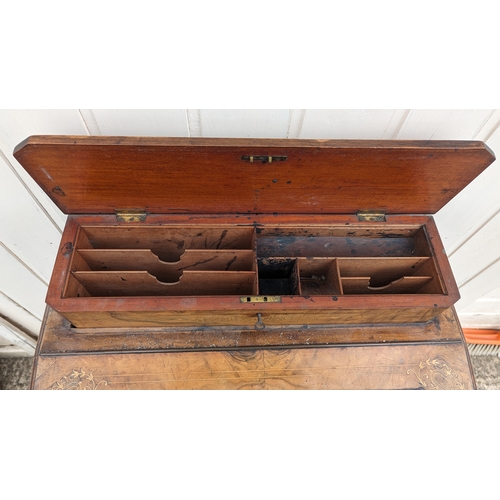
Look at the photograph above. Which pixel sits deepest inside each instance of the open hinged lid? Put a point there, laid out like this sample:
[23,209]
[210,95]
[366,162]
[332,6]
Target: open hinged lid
[90,175]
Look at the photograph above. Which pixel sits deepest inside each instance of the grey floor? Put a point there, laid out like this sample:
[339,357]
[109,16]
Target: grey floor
[15,373]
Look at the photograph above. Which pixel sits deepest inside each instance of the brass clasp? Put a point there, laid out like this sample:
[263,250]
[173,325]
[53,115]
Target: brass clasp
[263,158]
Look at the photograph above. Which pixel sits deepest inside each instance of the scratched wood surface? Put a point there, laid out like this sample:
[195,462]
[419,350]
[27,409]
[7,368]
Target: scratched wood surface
[418,236]
[375,367]
[405,356]
[58,336]
[145,315]
[85,174]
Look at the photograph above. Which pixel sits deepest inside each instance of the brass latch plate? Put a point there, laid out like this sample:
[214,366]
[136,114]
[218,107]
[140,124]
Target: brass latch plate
[263,158]
[130,215]
[260,298]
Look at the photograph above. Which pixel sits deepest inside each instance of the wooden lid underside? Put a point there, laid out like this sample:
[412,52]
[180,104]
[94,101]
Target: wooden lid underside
[89,175]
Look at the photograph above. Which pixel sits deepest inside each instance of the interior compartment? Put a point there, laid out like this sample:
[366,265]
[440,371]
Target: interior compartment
[386,275]
[332,260]
[167,242]
[162,260]
[141,283]
[364,284]
[319,276]
[278,277]
[340,241]
[146,260]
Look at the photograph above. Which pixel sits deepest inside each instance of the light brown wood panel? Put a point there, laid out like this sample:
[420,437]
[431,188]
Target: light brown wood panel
[245,317]
[169,242]
[363,285]
[429,237]
[141,283]
[389,268]
[145,260]
[317,286]
[81,239]
[435,285]
[74,288]
[316,266]
[319,277]
[426,366]
[58,336]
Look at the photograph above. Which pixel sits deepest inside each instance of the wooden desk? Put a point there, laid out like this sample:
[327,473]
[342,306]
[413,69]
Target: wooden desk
[402,356]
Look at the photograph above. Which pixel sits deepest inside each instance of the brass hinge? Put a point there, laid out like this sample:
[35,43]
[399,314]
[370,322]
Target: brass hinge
[370,216]
[130,215]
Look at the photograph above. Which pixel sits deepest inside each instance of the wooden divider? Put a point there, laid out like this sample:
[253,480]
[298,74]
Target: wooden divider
[360,275]
[146,260]
[197,261]
[386,275]
[141,283]
[406,284]
[319,276]
[175,239]
[157,260]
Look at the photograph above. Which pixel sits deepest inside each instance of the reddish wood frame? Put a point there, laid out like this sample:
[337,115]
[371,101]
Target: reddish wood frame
[228,310]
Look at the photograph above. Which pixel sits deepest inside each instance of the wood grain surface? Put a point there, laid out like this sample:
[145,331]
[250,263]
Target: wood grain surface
[374,367]
[84,175]
[414,235]
[405,356]
[242,316]
[59,337]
